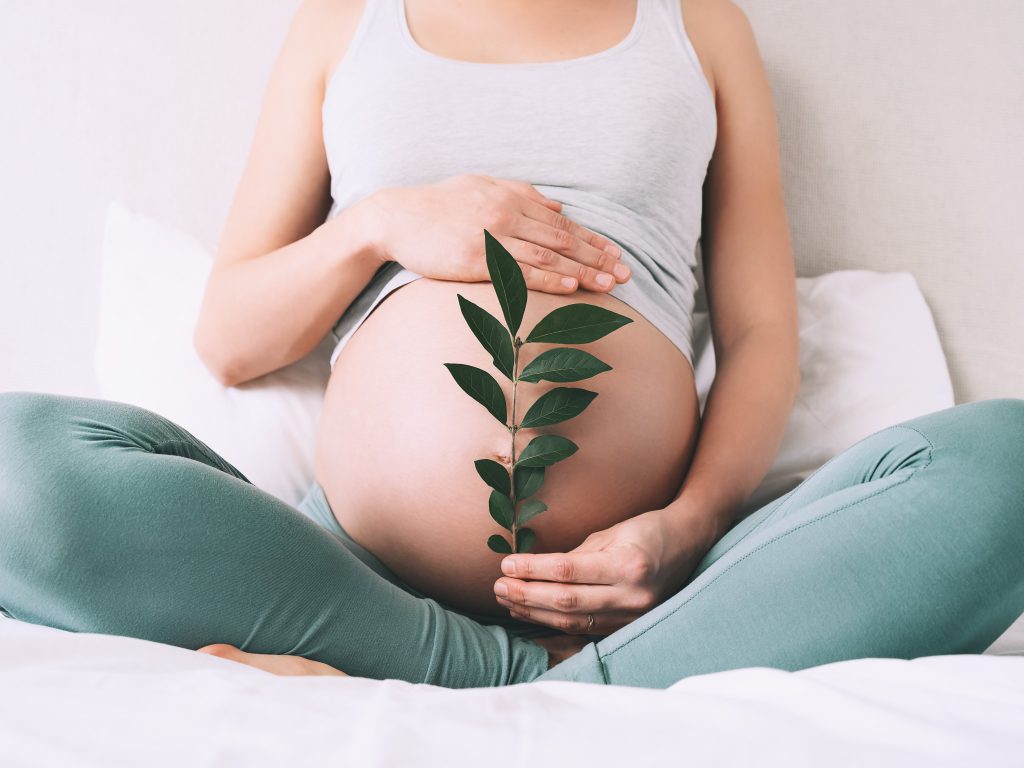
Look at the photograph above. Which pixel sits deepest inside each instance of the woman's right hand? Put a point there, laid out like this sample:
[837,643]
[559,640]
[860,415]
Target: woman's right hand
[436,230]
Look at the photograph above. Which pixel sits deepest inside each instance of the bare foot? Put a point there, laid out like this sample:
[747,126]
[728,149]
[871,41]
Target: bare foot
[560,647]
[269,662]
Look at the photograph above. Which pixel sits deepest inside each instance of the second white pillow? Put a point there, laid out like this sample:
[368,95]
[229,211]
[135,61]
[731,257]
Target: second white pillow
[153,278]
[870,357]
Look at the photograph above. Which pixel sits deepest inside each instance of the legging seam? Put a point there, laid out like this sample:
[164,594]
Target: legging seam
[792,491]
[187,447]
[783,535]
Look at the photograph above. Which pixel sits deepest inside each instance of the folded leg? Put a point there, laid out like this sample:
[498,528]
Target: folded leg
[906,544]
[115,520]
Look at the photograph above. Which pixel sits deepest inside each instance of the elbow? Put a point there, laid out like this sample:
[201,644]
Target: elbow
[220,366]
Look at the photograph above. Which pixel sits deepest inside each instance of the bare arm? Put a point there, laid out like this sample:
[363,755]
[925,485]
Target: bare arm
[282,276]
[751,287]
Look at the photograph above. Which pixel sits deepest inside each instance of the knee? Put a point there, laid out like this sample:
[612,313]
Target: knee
[1008,410]
[25,417]
[27,472]
[977,430]
[15,405]
[982,443]
[1000,422]
[989,441]
[39,457]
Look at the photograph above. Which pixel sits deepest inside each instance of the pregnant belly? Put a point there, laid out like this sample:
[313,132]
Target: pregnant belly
[398,437]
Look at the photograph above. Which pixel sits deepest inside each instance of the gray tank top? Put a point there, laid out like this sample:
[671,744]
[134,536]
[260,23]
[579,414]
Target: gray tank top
[622,138]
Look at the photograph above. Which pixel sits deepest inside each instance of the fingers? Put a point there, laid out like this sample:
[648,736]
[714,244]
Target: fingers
[556,250]
[556,243]
[563,598]
[526,188]
[599,567]
[575,623]
[598,243]
[555,253]
[547,270]
[538,278]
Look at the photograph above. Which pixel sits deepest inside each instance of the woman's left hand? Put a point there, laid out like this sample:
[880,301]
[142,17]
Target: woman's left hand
[617,574]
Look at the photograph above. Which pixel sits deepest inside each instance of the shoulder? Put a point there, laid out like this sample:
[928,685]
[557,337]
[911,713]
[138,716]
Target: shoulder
[319,12]
[722,35]
[323,28]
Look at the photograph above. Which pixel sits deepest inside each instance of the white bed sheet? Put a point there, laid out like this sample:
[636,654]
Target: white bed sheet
[89,699]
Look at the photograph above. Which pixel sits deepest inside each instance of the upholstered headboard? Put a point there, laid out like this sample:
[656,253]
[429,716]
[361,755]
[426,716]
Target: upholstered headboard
[902,140]
[902,146]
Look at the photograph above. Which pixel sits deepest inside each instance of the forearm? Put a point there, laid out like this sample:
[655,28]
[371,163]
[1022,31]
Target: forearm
[261,314]
[744,419]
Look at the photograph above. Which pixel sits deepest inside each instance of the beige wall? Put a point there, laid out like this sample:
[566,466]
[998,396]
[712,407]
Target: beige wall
[902,128]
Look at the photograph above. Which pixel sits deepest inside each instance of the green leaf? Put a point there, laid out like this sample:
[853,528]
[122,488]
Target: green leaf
[562,365]
[499,543]
[525,538]
[559,404]
[482,387]
[491,333]
[576,324]
[530,510]
[494,474]
[544,450]
[509,283]
[501,509]
[527,480]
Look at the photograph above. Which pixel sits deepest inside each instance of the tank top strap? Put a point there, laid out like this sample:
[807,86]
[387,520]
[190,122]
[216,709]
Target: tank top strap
[377,26]
[671,26]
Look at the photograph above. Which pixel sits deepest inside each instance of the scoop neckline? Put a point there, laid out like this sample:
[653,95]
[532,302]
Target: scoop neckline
[416,48]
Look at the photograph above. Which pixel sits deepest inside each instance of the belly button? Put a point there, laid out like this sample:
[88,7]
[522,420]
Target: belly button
[503,457]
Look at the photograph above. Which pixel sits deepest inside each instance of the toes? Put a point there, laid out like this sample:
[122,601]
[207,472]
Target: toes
[220,649]
[268,662]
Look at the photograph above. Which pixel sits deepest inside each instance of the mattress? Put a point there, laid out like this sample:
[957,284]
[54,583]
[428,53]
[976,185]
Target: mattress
[91,699]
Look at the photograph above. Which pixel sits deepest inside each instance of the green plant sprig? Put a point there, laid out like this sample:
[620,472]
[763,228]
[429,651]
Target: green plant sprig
[578,323]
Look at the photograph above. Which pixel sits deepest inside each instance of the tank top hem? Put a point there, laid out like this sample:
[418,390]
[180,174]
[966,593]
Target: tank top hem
[682,339]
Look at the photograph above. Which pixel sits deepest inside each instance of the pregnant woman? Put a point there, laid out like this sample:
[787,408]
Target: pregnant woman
[597,141]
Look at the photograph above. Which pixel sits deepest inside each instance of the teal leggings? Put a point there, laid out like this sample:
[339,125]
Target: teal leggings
[115,520]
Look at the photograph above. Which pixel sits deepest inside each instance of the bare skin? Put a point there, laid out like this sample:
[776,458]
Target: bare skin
[278,664]
[284,196]
[559,647]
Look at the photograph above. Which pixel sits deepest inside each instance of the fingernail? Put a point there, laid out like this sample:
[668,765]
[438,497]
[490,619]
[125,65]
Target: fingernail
[568,282]
[508,566]
[621,270]
[500,590]
[604,279]
[613,250]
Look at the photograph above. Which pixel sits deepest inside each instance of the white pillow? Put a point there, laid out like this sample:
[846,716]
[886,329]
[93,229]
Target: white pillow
[870,357]
[152,286]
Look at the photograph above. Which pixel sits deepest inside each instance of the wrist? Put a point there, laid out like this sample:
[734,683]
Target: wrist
[371,224]
[355,236]
[689,524]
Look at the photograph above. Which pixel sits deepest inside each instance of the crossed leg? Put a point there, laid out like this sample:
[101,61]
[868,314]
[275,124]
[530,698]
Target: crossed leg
[906,544]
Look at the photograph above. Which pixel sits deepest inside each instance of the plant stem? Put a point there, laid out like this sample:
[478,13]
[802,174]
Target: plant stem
[514,428]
